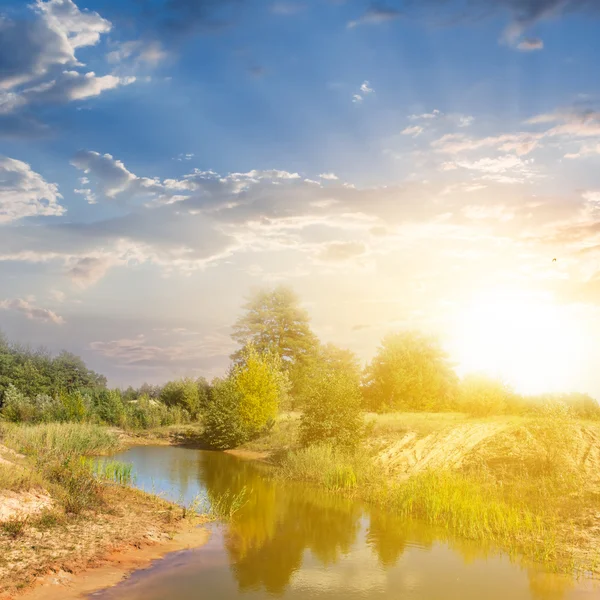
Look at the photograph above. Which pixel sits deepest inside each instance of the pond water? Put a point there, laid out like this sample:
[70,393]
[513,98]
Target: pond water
[295,542]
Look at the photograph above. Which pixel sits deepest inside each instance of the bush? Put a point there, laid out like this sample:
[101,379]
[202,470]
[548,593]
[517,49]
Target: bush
[481,395]
[245,404]
[410,372]
[183,393]
[223,424]
[332,412]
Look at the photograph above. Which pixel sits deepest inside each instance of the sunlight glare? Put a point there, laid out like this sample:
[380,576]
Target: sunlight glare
[524,338]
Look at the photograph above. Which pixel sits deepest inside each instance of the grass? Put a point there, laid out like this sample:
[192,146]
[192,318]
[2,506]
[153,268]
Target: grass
[522,490]
[60,439]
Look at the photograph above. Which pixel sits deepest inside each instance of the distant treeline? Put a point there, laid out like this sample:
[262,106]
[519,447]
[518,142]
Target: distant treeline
[281,365]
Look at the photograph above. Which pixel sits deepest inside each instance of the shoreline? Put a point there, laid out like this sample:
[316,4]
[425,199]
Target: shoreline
[113,568]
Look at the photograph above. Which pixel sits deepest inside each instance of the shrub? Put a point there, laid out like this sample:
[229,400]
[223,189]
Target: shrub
[245,404]
[481,395]
[183,393]
[223,424]
[332,411]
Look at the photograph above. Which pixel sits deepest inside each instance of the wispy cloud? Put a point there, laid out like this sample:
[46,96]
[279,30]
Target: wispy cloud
[31,311]
[375,15]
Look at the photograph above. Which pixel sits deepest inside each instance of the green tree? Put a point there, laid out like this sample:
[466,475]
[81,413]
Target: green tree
[482,395]
[410,372]
[246,403]
[332,412]
[273,320]
[183,393]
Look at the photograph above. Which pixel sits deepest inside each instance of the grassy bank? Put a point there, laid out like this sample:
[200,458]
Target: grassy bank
[528,485]
[61,512]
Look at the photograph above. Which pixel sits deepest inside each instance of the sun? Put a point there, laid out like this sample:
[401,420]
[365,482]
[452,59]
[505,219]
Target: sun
[521,337]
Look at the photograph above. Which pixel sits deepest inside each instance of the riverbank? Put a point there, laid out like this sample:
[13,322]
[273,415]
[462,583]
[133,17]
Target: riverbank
[529,486]
[59,518]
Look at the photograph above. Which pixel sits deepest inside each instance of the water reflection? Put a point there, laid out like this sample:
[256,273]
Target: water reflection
[298,542]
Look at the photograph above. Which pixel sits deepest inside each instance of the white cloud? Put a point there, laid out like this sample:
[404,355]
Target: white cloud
[434,114]
[329,176]
[25,193]
[465,120]
[530,44]
[413,131]
[111,175]
[89,196]
[357,98]
[31,47]
[30,311]
[365,88]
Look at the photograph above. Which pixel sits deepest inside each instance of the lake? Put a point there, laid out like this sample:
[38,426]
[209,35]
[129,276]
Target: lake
[296,542]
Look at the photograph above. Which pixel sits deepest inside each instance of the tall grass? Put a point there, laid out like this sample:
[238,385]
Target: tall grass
[331,467]
[60,439]
[114,471]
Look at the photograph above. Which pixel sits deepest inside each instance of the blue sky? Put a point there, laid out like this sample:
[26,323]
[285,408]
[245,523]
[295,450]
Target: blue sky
[408,164]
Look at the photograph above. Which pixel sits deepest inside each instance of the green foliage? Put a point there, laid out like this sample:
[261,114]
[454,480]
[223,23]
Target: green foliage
[222,422]
[274,321]
[410,372]
[242,406]
[184,393]
[482,396]
[332,412]
[324,359]
[35,372]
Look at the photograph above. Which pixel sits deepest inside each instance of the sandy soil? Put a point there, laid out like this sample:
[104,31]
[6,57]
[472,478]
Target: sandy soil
[446,449]
[112,568]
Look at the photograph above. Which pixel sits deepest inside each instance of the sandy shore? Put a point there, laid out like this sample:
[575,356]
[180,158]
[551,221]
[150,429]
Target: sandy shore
[112,568]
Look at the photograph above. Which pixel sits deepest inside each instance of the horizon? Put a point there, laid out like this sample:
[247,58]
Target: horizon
[398,166]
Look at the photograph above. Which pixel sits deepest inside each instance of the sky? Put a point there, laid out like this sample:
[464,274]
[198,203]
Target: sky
[429,165]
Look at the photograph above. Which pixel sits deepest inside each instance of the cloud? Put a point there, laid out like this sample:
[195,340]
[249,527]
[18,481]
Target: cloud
[39,65]
[25,193]
[530,44]
[139,351]
[71,85]
[413,131]
[521,143]
[87,193]
[150,52]
[523,14]
[365,88]
[426,116]
[110,174]
[375,15]
[329,176]
[88,270]
[496,169]
[30,48]
[31,312]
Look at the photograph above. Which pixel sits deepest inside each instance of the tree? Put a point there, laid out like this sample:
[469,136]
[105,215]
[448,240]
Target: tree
[482,395]
[332,412]
[183,393]
[410,372]
[326,358]
[274,321]
[242,406]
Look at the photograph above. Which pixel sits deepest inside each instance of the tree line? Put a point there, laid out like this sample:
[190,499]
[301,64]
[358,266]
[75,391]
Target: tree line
[280,365]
